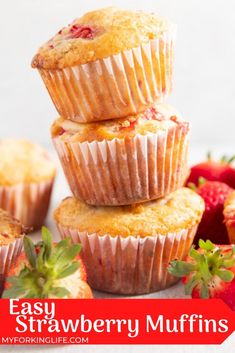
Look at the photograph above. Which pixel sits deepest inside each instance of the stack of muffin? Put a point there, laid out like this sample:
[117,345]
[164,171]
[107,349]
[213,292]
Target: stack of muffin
[123,152]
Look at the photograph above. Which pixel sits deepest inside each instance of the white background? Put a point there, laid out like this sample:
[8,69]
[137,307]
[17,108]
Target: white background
[204,72]
[204,88]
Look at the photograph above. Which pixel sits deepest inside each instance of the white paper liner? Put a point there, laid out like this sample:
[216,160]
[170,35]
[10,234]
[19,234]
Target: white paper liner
[8,255]
[114,87]
[126,171]
[131,265]
[27,202]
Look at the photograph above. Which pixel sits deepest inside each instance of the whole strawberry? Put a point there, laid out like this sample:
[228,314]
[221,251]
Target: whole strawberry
[208,272]
[212,225]
[48,270]
[213,170]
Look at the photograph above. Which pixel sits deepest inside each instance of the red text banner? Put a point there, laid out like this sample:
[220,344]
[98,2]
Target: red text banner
[115,321]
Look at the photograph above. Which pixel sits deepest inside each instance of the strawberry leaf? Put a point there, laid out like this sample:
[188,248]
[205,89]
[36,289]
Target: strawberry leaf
[60,292]
[206,245]
[30,251]
[190,285]
[204,291]
[47,242]
[225,275]
[69,270]
[46,265]
[180,268]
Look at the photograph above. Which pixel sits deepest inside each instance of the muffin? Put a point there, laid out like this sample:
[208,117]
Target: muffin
[107,64]
[127,249]
[124,161]
[26,179]
[11,242]
[229,216]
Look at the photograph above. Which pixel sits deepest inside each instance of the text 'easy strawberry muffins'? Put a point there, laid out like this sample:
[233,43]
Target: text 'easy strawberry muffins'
[127,249]
[124,161]
[26,179]
[109,63]
[11,241]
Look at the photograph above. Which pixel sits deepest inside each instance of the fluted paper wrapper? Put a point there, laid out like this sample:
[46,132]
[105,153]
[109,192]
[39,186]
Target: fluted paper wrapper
[27,202]
[8,255]
[131,265]
[126,171]
[116,86]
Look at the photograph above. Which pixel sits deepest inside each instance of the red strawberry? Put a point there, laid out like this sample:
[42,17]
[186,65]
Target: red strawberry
[48,270]
[208,272]
[84,32]
[212,224]
[214,171]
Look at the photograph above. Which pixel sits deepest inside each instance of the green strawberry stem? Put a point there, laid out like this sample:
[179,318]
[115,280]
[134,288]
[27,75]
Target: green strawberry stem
[224,159]
[194,187]
[47,264]
[203,266]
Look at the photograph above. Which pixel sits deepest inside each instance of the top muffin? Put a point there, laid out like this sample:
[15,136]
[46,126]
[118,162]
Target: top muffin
[24,162]
[99,34]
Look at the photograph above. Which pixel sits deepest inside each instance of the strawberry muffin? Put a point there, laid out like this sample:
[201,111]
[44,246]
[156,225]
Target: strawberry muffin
[124,161]
[26,179]
[229,216]
[127,249]
[108,64]
[11,241]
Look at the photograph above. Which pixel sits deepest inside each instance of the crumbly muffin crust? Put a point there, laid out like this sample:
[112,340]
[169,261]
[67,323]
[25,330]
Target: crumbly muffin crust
[179,210]
[159,117]
[97,35]
[10,228]
[24,162]
[229,209]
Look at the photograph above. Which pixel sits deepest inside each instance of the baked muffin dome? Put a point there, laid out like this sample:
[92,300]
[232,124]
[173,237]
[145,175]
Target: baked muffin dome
[127,249]
[99,34]
[179,210]
[108,64]
[10,228]
[26,179]
[155,119]
[24,162]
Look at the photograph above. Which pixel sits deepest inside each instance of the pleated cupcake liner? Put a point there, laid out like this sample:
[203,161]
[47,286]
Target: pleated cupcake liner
[8,256]
[130,265]
[116,86]
[126,171]
[27,202]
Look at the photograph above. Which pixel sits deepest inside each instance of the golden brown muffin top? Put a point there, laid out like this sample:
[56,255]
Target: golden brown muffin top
[22,161]
[97,35]
[10,228]
[179,210]
[160,117]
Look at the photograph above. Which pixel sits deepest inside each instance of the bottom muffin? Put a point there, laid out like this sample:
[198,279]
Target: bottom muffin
[127,249]
[11,241]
